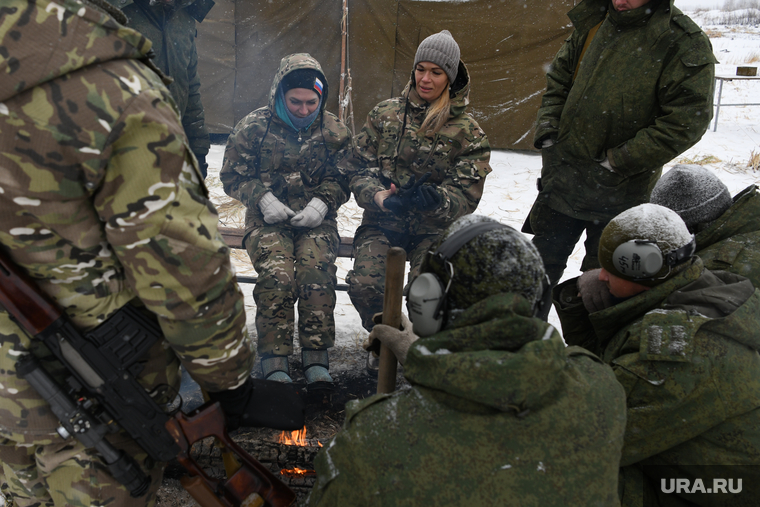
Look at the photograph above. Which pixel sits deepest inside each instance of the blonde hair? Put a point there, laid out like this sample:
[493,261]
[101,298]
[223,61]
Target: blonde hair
[438,113]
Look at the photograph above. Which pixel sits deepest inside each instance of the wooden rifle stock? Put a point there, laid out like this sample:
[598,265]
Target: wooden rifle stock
[34,310]
[395,266]
[251,485]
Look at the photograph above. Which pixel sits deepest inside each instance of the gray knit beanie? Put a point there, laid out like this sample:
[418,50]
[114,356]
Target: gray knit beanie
[695,193]
[442,50]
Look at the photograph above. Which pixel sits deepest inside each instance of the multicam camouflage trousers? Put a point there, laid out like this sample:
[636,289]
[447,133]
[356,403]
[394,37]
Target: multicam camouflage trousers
[555,236]
[366,281]
[294,264]
[64,473]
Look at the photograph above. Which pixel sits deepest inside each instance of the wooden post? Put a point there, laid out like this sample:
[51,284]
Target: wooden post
[395,267]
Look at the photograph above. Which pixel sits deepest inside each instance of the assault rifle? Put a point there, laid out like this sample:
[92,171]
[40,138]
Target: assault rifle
[101,394]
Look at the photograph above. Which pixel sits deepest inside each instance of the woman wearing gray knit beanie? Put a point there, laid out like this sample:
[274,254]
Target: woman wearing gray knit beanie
[419,163]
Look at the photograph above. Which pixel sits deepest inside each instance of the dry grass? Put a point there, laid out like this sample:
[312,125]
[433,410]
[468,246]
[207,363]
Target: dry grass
[699,160]
[753,57]
[754,161]
[714,34]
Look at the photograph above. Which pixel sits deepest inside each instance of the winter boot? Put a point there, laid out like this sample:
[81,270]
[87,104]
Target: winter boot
[316,366]
[276,368]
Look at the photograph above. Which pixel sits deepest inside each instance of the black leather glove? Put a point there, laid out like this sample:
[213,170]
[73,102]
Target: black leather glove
[261,403]
[426,198]
[403,201]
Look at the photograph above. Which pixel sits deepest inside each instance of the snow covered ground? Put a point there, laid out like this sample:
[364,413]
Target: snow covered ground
[510,189]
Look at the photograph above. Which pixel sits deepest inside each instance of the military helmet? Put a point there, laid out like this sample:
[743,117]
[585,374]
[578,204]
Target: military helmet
[495,261]
[646,244]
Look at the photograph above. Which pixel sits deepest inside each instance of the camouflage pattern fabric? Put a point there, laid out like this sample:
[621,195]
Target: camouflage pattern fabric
[643,93]
[732,241]
[390,150]
[172,31]
[366,281]
[102,205]
[64,473]
[294,264]
[263,155]
[500,413]
[686,353]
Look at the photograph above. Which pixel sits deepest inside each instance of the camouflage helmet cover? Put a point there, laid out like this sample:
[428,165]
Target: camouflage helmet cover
[496,261]
[645,222]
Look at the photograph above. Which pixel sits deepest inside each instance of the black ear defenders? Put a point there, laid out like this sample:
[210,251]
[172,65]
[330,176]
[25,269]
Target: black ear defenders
[426,299]
[642,259]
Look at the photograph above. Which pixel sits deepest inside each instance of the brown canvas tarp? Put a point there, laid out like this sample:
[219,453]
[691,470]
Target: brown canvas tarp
[505,44]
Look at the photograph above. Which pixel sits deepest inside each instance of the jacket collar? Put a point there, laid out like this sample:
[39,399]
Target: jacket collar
[589,13]
[742,217]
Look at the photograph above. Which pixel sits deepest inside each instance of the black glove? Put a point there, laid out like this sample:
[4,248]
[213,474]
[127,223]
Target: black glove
[426,198]
[260,403]
[403,201]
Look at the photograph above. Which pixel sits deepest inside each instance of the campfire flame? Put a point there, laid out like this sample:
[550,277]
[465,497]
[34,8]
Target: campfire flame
[298,472]
[297,437]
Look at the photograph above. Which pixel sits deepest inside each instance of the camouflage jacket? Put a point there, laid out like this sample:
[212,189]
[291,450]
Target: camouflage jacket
[389,150]
[732,242]
[643,93]
[686,353]
[102,203]
[486,422]
[173,33]
[264,154]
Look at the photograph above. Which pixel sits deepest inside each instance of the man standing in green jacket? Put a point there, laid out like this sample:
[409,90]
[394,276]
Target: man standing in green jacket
[683,341]
[170,26]
[727,229]
[500,412]
[628,91]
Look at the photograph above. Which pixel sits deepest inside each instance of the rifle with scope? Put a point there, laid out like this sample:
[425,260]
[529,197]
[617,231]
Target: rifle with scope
[101,393]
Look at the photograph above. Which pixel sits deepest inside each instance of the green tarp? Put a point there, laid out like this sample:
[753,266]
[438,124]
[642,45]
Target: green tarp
[506,45]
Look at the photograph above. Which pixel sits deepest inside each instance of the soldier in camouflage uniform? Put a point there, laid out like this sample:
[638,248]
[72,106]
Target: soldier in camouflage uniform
[103,206]
[420,162]
[683,341]
[280,162]
[629,90]
[500,412]
[727,229]
[170,25]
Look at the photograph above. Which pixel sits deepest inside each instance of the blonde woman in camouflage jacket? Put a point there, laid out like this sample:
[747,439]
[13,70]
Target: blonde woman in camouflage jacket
[280,163]
[420,162]
[103,206]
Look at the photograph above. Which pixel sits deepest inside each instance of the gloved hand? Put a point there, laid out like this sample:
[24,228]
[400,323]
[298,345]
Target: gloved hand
[273,210]
[594,293]
[547,142]
[426,198]
[398,340]
[403,201]
[261,403]
[311,216]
